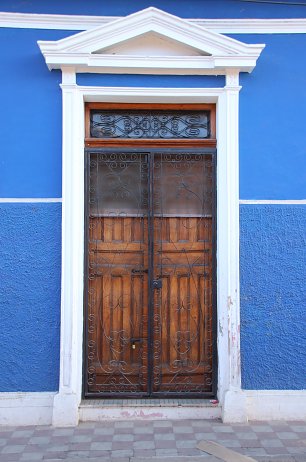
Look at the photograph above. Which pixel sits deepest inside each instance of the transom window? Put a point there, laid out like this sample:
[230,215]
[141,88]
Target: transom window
[150,124]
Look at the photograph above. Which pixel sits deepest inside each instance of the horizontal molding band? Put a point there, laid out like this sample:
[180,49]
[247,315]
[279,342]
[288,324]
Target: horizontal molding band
[83,22]
[59,200]
[28,200]
[277,202]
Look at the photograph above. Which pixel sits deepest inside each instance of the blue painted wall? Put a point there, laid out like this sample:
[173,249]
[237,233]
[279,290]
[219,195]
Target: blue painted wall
[191,9]
[29,296]
[175,81]
[272,120]
[273,295]
[30,117]
[272,114]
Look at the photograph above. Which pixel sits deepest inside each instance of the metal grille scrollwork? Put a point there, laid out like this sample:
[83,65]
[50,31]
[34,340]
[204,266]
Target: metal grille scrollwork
[183,261]
[150,274]
[144,124]
[117,311]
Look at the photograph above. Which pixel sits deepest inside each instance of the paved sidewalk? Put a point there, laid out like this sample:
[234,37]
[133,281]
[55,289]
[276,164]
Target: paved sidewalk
[127,441]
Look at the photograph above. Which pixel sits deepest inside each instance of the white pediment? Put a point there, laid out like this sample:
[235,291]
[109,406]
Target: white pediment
[151,44]
[150,39]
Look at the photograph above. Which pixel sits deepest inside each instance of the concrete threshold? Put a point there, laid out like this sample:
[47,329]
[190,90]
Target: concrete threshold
[148,409]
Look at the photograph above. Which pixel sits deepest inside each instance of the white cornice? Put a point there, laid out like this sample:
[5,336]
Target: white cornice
[254,26]
[88,51]
[53,21]
[83,22]
[195,65]
[147,21]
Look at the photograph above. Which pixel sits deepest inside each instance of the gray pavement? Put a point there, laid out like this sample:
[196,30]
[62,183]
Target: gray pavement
[158,441]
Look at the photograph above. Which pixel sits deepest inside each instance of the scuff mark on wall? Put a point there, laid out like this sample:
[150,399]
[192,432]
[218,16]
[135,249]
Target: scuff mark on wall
[144,415]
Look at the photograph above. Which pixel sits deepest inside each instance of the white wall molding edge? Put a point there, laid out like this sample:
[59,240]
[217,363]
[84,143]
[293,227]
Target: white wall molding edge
[19,200]
[272,201]
[84,22]
[26,408]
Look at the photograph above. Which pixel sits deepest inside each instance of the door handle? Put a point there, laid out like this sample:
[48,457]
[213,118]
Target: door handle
[134,341]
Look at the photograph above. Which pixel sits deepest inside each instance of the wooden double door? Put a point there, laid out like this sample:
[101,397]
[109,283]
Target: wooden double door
[150,282]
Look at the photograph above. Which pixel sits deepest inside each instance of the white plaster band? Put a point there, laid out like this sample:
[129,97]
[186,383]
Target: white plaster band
[59,199]
[17,200]
[276,202]
[83,22]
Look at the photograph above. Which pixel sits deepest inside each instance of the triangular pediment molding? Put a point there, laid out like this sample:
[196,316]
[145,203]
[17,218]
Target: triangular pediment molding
[145,40]
[151,44]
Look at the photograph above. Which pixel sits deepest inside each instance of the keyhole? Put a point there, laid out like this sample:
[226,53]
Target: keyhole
[133,346]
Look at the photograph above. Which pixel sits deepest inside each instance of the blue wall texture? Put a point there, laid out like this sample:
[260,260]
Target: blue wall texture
[273,295]
[29,296]
[30,117]
[166,81]
[272,115]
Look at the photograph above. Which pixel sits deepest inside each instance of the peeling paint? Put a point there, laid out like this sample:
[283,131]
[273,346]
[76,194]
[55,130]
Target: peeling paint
[229,302]
[229,335]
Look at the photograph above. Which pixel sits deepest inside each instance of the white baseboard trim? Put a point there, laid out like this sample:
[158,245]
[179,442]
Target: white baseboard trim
[275,404]
[21,409]
[26,408]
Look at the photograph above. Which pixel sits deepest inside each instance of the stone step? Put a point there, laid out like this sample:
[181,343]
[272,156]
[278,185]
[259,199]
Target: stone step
[145,409]
[204,458]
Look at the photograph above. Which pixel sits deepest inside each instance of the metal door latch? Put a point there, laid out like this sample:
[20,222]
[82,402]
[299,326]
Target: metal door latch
[134,341]
[157,283]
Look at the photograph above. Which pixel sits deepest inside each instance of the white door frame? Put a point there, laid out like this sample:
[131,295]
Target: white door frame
[67,401]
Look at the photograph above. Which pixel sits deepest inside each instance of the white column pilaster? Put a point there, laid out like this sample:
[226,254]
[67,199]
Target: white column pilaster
[66,402]
[234,406]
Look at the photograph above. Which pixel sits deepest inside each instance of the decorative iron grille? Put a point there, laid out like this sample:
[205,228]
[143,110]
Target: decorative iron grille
[150,274]
[150,124]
